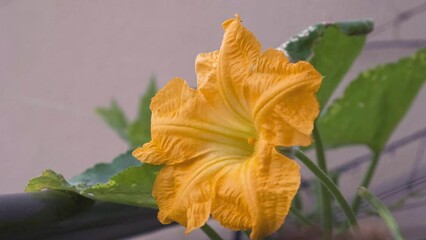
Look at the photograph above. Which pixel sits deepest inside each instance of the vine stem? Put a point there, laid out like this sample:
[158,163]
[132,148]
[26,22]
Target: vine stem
[383,212]
[299,215]
[366,180]
[326,181]
[326,213]
[210,232]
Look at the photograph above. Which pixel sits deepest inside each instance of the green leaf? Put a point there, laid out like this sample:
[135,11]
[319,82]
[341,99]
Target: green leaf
[383,212]
[102,172]
[115,118]
[124,180]
[51,180]
[139,131]
[374,104]
[331,48]
[131,186]
[145,101]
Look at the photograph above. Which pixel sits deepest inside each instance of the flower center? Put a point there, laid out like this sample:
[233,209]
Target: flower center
[251,141]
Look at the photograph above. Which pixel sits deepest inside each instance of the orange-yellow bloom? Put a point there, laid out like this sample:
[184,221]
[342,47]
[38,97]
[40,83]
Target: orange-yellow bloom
[217,142]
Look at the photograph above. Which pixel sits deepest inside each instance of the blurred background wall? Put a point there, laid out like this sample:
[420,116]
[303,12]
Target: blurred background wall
[61,59]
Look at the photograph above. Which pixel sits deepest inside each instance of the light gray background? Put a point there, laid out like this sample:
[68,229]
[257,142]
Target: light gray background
[61,59]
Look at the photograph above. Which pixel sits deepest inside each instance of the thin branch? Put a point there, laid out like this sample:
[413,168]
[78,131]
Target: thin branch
[400,18]
[356,162]
[386,44]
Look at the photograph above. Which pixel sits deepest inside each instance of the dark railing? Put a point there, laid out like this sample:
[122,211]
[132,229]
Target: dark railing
[65,215]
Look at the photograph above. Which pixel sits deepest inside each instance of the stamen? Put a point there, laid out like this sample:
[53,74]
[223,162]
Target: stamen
[251,141]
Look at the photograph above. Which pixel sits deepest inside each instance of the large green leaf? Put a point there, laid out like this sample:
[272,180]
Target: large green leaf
[102,172]
[132,186]
[331,48]
[49,180]
[115,118]
[137,132]
[374,103]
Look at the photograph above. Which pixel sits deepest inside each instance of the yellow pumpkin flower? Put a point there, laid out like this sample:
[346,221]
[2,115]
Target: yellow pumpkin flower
[217,142]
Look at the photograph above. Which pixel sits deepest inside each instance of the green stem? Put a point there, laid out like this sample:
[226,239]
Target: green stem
[297,202]
[299,215]
[326,213]
[325,180]
[383,212]
[210,232]
[248,232]
[366,180]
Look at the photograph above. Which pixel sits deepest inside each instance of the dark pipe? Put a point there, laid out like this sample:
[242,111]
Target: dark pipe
[66,215]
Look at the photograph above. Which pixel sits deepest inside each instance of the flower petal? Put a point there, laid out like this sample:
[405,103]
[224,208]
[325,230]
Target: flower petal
[185,127]
[184,192]
[205,67]
[209,87]
[237,56]
[248,193]
[283,100]
[277,182]
[264,90]
[257,194]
